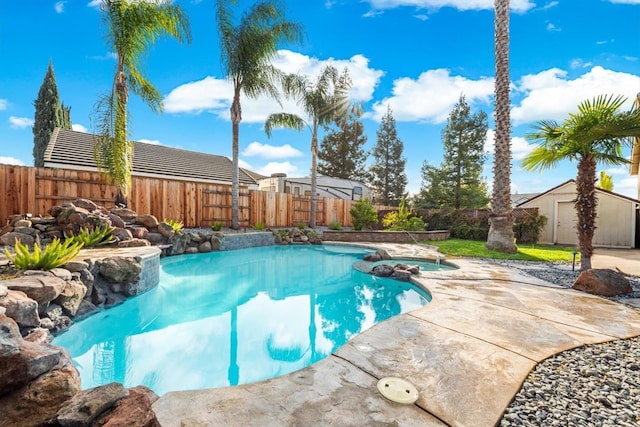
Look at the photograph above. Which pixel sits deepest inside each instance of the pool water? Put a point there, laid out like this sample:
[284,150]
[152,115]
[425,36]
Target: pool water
[228,318]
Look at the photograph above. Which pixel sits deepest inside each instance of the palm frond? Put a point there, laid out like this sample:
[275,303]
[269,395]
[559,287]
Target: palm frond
[283,120]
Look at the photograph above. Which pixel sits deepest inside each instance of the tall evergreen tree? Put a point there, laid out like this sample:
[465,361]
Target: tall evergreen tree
[341,152]
[49,114]
[458,182]
[389,179]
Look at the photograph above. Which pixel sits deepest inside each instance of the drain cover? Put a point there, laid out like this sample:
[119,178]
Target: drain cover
[397,390]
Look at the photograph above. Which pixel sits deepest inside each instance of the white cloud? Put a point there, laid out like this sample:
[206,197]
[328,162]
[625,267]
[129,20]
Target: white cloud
[625,1]
[150,141]
[215,95]
[267,151]
[626,186]
[20,122]
[552,27]
[621,170]
[11,161]
[519,146]
[549,95]
[3,104]
[59,6]
[278,167]
[519,6]
[79,128]
[579,63]
[431,97]
[243,164]
[550,5]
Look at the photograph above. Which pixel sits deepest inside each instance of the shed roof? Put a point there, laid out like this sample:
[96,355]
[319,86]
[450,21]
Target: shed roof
[74,150]
[573,181]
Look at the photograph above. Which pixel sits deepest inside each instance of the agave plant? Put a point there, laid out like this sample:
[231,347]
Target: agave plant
[53,255]
[99,236]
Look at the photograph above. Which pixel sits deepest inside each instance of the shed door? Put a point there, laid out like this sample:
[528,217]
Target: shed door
[566,224]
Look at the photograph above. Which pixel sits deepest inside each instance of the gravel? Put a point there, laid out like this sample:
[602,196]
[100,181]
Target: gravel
[592,385]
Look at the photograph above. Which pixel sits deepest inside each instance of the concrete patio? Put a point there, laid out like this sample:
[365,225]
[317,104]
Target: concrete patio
[467,353]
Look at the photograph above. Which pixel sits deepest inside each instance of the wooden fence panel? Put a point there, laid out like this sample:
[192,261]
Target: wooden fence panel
[35,190]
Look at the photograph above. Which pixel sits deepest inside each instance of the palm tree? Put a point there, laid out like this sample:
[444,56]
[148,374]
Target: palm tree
[322,101]
[132,28]
[501,237]
[246,52]
[596,134]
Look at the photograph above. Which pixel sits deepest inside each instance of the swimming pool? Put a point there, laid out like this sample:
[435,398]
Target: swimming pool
[228,318]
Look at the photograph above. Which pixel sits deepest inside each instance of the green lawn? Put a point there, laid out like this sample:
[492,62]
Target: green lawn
[473,248]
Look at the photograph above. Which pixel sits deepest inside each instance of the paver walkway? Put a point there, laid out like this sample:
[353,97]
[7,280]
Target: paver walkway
[467,353]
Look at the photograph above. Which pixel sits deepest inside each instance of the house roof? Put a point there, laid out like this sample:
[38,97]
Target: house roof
[598,190]
[74,150]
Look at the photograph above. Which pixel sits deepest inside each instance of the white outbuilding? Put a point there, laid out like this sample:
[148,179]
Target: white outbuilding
[616,221]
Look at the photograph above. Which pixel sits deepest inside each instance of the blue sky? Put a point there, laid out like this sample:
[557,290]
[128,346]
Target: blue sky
[417,56]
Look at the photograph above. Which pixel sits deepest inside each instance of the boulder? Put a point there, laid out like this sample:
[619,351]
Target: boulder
[215,243]
[41,286]
[86,204]
[21,308]
[179,243]
[604,282]
[84,407]
[116,221]
[138,232]
[147,220]
[132,411]
[71,297]
[382,270]
[127,215]
[61,273]
[38,402]
[76,266]
[9,239]
[39,336]
[21,361]
[204,247]
[166,230]
[122,234]
[155,238]
[120,269]
[22,223]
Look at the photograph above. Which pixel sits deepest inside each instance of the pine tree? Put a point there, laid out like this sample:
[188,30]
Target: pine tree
[458,183]
[341,152]
[388,176]
[49,114]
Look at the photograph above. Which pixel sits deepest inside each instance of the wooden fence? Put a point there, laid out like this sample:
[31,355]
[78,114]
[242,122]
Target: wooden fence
[35,190]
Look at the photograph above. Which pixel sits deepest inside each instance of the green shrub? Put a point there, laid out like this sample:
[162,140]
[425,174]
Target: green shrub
[469,232]
[335,225]
[302,226]
[89,238]
[54,255]
[363,214]
[283,233]
[528,229]
[404,219]
[216,226]
[175,225]
[258,226]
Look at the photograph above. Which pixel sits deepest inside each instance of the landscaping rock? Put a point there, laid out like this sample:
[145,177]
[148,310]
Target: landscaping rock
[154,238]
[41,286]
[71,297]
[116,221]
[133,243]
[38,401]
[133,410]
[382,270]
[21,308]
[147,220]
[166,230]
[138,232]
[204,247]
[84,407]
[21,361]
[604,282]
[76,266]
[9,239]
[39,336]
[86,204]
[120,269]
[127,215]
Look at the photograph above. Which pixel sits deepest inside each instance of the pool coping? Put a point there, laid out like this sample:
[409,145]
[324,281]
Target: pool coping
[467,353]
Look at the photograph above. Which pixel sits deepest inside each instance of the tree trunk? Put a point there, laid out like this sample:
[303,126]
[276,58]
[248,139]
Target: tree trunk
[236,117]
[586,204]
[501,237]
[314,175]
